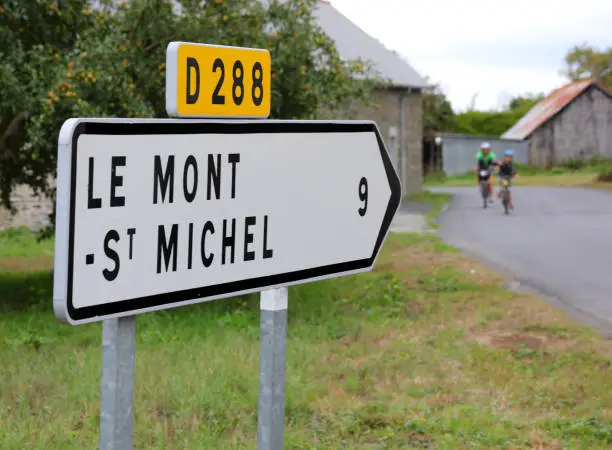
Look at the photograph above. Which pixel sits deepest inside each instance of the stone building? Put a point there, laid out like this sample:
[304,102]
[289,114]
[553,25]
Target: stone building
[398,109]
[573,122]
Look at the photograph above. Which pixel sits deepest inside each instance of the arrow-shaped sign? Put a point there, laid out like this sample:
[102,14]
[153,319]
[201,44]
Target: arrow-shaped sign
[153,214]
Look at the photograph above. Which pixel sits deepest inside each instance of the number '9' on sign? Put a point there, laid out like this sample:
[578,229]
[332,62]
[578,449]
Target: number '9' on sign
[217,81]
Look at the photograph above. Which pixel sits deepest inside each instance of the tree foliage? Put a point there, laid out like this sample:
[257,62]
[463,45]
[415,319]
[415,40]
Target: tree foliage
[495,123]
[523,103]
[438,115]
[85,58]
[586,61]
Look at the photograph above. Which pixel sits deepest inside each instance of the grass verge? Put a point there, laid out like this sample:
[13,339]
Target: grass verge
[427,351]
[436,201]
[589,176]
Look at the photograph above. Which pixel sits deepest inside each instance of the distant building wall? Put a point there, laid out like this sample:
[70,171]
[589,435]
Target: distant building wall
[582,130]
[459,151]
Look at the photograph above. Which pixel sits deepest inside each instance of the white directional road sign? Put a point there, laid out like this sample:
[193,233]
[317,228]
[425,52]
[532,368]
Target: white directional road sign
[153,214]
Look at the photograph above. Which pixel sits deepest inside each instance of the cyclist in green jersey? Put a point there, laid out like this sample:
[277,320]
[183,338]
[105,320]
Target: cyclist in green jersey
[486,160]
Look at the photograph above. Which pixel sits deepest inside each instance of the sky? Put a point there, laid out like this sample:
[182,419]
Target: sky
[490,49]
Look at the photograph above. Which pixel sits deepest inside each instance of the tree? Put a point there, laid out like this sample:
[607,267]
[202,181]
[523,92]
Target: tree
[438,115]
[437,112]
[84,58]
[489,123]
[33,36]
[586,61]
[495,123]
[521,104]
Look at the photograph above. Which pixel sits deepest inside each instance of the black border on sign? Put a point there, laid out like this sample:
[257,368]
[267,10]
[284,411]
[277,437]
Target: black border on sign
[256,127]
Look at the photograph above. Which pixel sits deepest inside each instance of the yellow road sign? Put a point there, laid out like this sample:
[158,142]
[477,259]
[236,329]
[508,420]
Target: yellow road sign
[217,81]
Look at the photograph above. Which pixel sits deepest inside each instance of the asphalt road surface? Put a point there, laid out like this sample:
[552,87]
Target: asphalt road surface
[557,241]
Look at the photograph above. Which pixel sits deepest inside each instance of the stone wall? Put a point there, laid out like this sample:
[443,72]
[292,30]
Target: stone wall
[413,168]
[31,210]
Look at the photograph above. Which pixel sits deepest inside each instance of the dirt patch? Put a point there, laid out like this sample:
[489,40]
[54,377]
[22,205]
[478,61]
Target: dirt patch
[512,341]
[381,341]
[536,442]
[26,264]
[605,177]
[441,400]
[516,340]
[418,256]
[531,314]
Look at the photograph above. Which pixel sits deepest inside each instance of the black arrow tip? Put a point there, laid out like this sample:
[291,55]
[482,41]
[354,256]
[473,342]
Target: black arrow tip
[396,193]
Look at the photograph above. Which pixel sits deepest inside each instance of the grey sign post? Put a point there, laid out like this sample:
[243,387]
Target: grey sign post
[272,367]
[117,393]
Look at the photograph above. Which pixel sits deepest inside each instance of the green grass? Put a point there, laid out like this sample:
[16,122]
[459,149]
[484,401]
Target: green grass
[427,351]
[573,174]
[21,242]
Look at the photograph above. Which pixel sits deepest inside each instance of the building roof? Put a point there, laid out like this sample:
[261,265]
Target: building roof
[546,109]
[353,43]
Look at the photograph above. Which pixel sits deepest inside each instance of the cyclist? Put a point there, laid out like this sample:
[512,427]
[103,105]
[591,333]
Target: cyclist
[507,170]
[486,160]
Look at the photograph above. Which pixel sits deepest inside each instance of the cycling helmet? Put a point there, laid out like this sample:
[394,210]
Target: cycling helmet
[485,145]
[509,153]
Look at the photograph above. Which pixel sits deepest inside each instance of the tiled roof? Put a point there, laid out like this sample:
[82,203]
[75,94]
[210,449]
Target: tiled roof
[546,109]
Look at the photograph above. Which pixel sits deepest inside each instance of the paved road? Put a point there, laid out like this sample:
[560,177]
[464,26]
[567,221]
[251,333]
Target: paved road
[558,241]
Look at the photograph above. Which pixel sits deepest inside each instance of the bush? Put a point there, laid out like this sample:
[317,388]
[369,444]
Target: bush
[595,162]
[21,242]
[605,176]
[573,164]
[16,234]
[435,176]
[525,169]
[558,170]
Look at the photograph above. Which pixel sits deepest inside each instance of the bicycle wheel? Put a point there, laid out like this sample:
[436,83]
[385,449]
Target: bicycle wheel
[506,200]
[484,190]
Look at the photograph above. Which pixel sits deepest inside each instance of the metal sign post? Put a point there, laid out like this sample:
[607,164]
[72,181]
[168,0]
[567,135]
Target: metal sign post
[117,393]
[272,367]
